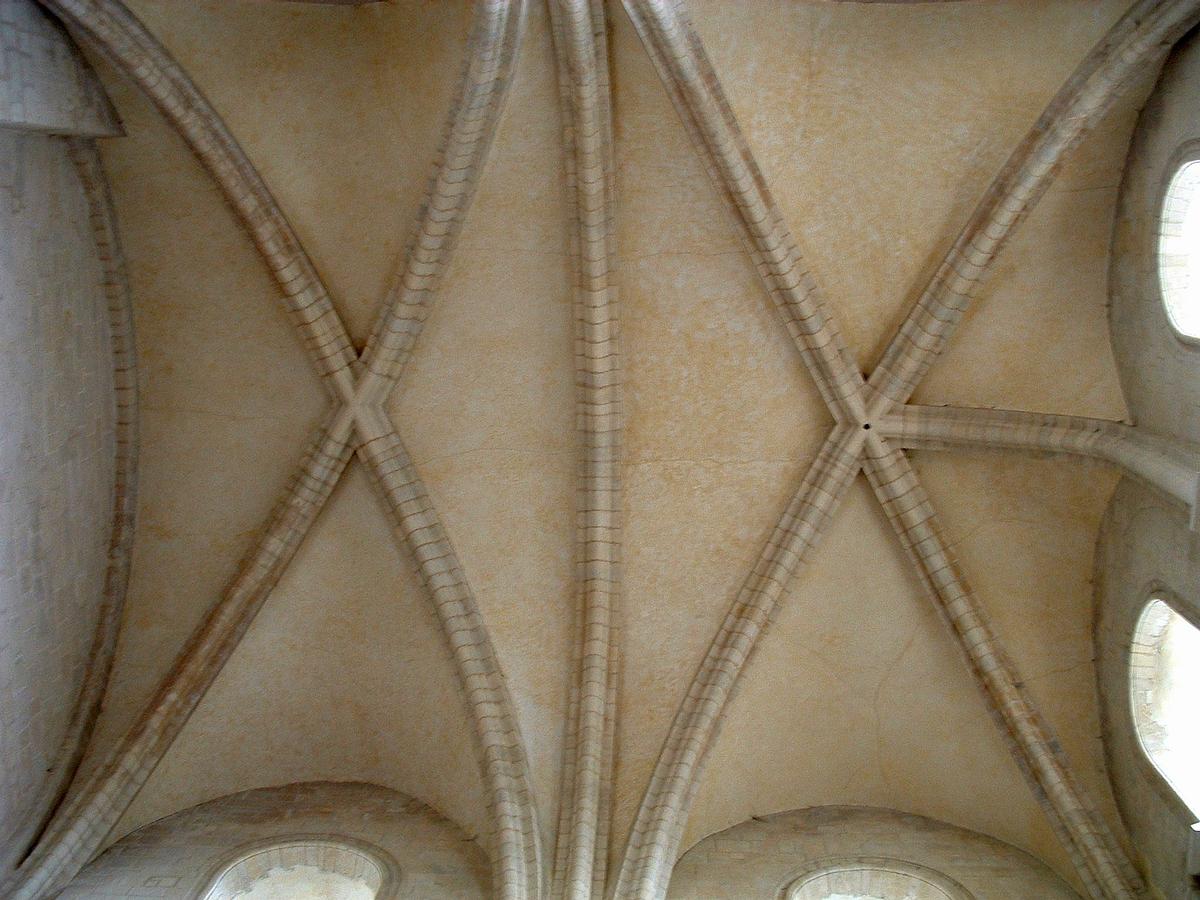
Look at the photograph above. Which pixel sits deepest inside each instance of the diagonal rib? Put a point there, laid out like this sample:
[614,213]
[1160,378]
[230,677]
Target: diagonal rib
[471,126]
[658,828]
[692,83]
[125,42]
[1139,38]
[1101,864]
[505,767]
[80,826]
[516,851]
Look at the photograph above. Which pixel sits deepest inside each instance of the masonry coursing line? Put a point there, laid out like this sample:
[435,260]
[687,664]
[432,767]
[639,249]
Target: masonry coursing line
[658,828]
[86,160]
[358,423]
[1098,859]
[872,426]
[1168,464]
[696,93]
[581,47]
[1138,39]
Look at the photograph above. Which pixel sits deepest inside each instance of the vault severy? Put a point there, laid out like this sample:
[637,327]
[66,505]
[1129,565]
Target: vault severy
[661,480]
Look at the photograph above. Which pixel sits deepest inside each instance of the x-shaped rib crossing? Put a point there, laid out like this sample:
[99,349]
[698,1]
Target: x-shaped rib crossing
[358,423]
[862,410]
[872,425]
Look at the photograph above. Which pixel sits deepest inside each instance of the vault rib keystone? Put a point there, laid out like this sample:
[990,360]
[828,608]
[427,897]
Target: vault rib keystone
[358,423]
[873,423]
[1139,38]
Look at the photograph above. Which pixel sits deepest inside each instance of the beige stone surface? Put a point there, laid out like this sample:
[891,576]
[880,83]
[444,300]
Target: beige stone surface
[878,127]
[422,855]
[351,182]
[58,453]
[875,171]
[766,856]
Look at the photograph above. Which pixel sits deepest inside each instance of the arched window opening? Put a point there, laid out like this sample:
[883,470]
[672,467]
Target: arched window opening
[307,883]
[874,879]
[1164,685]
[303,869]
[1179,250]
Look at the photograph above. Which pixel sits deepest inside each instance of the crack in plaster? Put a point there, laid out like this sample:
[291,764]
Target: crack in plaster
[678,54]
[358,385]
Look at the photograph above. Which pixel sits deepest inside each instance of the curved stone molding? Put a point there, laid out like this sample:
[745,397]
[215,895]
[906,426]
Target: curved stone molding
[1146,546]
[80,826]
[358,423]
[50,104]
[1170,465]
[873,425]
[581,47]
[45,84]
[1145,550]
[418,852]
[690,80]
[121,38]
[1139,38]
[102,217]
[658,828]
[1094,852]
[354,860]
[874,876]
[1135,41]
[1157,368]
[779,855]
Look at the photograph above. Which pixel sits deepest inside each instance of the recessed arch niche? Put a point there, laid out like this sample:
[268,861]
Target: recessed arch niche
[305,867]
[869,878]
[1147,545]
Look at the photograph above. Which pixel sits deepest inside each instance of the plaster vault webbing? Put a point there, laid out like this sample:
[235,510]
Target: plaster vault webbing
[1137,39]
[358,423]
[872,425]
[52,105]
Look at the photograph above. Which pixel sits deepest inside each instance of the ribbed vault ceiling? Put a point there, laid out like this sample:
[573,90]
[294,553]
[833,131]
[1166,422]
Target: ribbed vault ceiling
[878,127]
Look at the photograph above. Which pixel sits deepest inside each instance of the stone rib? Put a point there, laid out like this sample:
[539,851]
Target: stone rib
[1101,865]
[1141,36]
[1170,465]
[678,55]
[473,121]
[515,852]
[86,161]
[79,828]
[580,43]
[658,828]
[125,42]
[688,75]
[693,86]
[470,128]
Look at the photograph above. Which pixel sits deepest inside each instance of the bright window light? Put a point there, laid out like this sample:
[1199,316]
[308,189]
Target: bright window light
[302,869]
[874,879]
[1179,250]
[307,883]
[1164,683]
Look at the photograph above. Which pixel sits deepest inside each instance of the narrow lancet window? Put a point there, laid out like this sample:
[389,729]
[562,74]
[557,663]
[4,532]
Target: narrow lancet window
[1179,250]
[1164,684]
[302,870]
